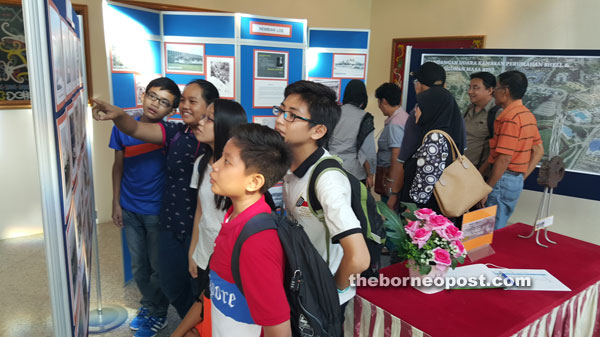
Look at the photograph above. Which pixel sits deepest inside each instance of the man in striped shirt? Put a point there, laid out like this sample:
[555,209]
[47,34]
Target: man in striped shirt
[515,149]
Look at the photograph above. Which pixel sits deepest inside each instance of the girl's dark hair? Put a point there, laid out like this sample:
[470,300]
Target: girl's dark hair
[228,114]
[356,94]
[209,91]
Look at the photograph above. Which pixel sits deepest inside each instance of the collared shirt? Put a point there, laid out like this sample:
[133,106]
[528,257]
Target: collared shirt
[478,148]
[391,137]
[179,199]
[333,191]
[515,133]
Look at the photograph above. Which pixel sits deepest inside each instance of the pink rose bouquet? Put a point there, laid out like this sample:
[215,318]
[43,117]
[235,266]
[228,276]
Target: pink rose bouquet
[426,239]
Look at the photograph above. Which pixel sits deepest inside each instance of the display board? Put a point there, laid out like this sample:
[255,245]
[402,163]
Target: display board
[69,109]
[563,94]
[336,56]
[271,57]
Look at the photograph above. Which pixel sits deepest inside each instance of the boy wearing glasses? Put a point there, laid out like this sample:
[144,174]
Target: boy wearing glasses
[138,181]
[306,119]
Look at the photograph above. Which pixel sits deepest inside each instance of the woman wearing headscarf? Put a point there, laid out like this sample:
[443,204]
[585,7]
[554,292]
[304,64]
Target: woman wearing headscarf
[353,138]
[436,110]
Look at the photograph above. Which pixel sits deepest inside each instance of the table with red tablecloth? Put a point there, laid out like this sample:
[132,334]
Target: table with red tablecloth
[404,311]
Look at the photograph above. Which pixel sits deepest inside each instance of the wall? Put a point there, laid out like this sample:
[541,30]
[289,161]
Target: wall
[535,24]
[331,13]
[20,200]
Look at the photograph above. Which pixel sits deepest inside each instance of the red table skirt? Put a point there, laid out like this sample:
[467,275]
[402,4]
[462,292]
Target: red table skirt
[405,311]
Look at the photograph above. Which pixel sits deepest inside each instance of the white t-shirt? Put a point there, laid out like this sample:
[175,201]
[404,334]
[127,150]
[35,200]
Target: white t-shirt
[334,193]
[211,219]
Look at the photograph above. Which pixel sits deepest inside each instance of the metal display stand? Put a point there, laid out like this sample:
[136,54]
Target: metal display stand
[551,173]
[104,318]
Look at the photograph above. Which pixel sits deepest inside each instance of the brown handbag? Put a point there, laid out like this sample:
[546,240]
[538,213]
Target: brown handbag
[460,186]
[380,175]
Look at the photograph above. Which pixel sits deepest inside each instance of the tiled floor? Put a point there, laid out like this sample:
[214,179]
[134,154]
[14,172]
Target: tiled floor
[26,308]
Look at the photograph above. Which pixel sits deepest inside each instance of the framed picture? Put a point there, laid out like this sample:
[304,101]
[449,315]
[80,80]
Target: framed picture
[349,65]
[440,42]
[14,84]
[332,83]
[270,64]
[220,71]
[184,58]
[141,81]
[120,62]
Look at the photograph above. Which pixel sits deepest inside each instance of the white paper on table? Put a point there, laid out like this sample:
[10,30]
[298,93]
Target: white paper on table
[541,279]
[472,271]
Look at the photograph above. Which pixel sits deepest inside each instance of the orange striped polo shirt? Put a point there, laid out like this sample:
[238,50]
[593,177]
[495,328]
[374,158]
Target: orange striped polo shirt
[515,133]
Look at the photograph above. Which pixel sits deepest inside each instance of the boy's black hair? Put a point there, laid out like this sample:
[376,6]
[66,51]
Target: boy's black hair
[356,94]
[209,91]
[165,83]
[321,102]
[391,92]
[488,79]
[228,114]
[263,151]
[515,81]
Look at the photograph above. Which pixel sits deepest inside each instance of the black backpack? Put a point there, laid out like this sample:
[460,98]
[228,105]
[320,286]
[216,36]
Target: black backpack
[309,285]
[364,207]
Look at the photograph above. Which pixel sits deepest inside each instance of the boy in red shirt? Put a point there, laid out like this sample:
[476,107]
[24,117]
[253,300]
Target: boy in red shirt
[254,159]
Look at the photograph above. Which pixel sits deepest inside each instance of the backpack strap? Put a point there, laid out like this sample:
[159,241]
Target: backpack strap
[366,127]
[491,117]
[257,224]
[323,165]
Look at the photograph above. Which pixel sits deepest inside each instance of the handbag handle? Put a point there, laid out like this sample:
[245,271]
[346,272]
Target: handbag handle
[453,147]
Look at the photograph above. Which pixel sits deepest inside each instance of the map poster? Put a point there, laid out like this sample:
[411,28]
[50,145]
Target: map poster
[14,82]
[563,94]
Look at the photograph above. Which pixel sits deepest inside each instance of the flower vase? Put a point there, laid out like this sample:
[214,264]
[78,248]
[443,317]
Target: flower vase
[417,278]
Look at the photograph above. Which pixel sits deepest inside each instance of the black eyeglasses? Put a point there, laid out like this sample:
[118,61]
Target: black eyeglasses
[161,101]
[290,116]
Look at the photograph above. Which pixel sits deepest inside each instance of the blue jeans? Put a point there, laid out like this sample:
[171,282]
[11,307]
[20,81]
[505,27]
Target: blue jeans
[505,194]
[176,281]
[142,233]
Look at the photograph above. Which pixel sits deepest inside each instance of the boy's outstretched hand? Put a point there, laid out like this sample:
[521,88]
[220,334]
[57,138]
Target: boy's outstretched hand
[102,111]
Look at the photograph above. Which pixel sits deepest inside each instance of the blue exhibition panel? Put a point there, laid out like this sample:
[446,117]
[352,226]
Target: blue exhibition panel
[155,54]
[247,75]
[296,36]
[123,90]
[322,66]
[338,39]
[149,21]
[214,26]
